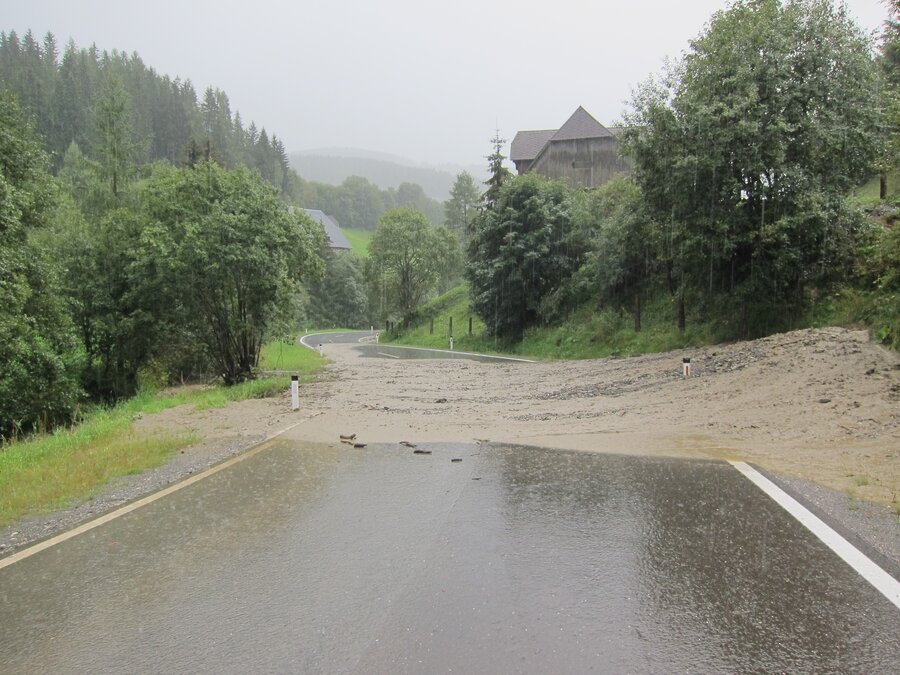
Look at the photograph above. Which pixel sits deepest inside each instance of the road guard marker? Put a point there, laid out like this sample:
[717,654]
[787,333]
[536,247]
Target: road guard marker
[868,570]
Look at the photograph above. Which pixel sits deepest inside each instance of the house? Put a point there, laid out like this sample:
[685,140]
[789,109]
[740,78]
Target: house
[582,152]
[336,238]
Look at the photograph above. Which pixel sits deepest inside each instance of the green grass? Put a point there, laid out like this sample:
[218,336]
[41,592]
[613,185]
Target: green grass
[846,306]
[587,334]
[454,303]
[290,356]
[591,333]
[359,240]
[49,471]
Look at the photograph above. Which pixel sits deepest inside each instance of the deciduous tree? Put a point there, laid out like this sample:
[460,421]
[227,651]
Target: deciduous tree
[744,148]
[518,253]
[404,260]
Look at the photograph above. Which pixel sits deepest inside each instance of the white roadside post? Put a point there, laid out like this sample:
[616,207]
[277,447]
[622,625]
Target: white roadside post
[686,366]
[451,343]
[295,392]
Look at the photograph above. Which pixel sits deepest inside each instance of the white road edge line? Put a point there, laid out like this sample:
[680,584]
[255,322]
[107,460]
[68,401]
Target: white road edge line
[149,499]
[393,356]
[868,570]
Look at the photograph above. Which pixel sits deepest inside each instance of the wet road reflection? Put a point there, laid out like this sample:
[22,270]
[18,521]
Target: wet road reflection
[324,559]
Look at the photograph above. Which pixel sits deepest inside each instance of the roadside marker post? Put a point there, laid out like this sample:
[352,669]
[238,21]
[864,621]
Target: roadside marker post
[451,343]
[686,366]
[295,392]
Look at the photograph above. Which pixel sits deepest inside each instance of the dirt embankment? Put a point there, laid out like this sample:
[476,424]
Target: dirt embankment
[819,404]
[813,405]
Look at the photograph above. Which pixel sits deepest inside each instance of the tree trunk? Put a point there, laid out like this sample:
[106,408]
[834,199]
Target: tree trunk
[882,185]
[681,317]
[637,312]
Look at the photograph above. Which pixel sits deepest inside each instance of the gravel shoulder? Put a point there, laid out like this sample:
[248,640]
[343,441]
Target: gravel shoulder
[819,410]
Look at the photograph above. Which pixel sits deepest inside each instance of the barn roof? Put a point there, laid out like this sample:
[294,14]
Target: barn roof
[580,125]
[336,238]
[527,144]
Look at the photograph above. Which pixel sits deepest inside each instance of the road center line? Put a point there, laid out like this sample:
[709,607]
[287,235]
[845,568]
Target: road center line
[133,506]
[881,580]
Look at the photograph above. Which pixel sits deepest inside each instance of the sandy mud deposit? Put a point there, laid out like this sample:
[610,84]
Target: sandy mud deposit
[820,408]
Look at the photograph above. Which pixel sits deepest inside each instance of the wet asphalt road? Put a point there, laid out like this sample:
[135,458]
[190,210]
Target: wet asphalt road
[334,560]
[366,345]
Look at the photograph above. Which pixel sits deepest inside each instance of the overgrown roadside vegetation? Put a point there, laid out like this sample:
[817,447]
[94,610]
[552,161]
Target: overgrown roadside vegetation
[50,471]
[592,333]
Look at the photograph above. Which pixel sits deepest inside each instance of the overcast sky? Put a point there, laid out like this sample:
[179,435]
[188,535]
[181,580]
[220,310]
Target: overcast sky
[429,81]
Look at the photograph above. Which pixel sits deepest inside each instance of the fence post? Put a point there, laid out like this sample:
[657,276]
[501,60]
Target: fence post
[431,327]
[470,326]
[451,325]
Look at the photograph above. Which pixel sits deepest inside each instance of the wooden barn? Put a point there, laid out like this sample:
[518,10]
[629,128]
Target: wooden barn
[582,152]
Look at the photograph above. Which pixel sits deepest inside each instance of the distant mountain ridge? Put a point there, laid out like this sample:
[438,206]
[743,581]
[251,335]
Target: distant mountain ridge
[334,165]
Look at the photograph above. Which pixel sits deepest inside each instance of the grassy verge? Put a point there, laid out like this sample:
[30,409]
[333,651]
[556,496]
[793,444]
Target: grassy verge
[50,471]
[359,240]
[588,334]
[591,333]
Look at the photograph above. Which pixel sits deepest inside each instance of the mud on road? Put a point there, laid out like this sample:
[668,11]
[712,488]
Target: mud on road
[820,409]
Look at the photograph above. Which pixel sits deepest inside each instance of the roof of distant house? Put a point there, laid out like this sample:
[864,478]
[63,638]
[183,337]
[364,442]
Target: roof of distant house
[580,125]
[336,238]
[528,144]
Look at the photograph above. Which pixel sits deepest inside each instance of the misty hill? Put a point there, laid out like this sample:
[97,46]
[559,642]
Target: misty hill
[385,171]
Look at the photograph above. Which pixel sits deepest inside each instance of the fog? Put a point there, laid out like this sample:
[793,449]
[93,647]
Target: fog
[422,80]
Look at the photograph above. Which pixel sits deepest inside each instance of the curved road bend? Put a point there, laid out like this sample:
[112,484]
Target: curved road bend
[334,560]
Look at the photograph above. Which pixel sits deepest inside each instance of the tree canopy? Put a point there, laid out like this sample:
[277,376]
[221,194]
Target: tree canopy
[518,253]
[406,259]
[462,206]
[38,383]
[227,254]
[746,148]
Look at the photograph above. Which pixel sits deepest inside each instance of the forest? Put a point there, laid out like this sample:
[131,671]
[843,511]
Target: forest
[170,121]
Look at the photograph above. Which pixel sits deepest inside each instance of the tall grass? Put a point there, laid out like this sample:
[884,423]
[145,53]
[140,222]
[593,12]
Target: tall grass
[290,356]
[594,333]
[49,471]
[359,240]
[589,333]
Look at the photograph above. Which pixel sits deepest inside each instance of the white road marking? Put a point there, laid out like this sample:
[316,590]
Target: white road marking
[303,339]
[389,355]
[133,506]
[868,570]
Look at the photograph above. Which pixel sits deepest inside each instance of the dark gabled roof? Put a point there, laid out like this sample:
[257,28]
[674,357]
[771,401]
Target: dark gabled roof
[336,238]
[527,144]
[580,125]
